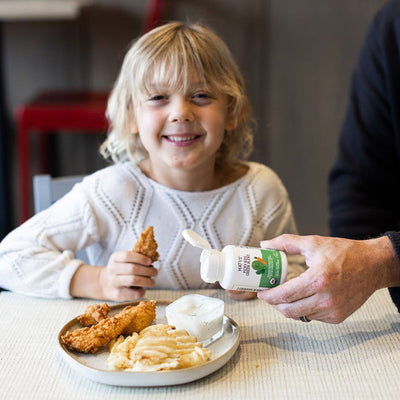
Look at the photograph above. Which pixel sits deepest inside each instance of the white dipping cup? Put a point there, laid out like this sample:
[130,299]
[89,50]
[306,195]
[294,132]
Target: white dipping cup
[200,316]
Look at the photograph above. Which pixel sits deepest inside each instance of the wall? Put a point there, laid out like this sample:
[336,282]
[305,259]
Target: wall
[313,47]
[296,56]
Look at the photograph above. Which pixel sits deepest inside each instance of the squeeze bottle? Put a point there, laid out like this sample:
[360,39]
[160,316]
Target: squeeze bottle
[239,267]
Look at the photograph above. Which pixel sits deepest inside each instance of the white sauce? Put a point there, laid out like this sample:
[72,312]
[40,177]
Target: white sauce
[200,316]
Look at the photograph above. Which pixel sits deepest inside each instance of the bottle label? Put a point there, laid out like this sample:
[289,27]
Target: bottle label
[258,268]
[269,267]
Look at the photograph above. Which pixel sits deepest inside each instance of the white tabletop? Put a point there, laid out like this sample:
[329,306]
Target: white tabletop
[277,358]
[19,10]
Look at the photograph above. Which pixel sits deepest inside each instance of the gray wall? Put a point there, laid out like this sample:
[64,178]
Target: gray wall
[296,55]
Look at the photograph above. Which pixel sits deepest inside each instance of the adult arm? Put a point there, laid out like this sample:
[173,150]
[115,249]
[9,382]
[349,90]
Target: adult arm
[363,186]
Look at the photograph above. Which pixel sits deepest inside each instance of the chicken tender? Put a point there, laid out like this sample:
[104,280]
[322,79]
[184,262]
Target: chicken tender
[89,340]
[147,245]
[94,314]
[143,318]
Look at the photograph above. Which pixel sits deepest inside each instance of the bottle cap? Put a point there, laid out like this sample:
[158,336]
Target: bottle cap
[195,239]
[209,259]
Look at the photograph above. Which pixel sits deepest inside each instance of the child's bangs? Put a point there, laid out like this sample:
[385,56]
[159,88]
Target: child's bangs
[172,70]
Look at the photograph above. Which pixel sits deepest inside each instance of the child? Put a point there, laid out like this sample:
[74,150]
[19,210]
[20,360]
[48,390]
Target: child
[180,126]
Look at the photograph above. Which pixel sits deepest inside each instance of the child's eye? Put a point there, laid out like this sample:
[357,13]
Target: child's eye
[202,98]
[201,95]
[157,97]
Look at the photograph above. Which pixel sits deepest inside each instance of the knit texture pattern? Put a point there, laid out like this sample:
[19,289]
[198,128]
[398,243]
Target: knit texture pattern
[109,209]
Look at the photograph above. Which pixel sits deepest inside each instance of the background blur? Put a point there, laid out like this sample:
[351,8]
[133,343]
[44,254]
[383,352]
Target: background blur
[296,56]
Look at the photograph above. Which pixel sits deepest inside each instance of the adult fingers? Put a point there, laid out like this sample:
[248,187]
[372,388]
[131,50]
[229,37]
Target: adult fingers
[303,307]
[292,244]
[296,289]
[314,308]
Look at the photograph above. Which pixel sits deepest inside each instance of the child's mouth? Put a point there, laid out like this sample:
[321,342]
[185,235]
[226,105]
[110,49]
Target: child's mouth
[180,139]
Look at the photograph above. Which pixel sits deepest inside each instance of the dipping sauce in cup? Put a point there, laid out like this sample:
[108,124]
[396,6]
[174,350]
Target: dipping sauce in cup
[200,316]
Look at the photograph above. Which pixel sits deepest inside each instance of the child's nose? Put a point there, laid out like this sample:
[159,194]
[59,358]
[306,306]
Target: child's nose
[181,111]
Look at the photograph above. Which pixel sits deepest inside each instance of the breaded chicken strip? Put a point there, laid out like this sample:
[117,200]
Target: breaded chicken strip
[147,245]
[89,340]
[143,318]
[94,314]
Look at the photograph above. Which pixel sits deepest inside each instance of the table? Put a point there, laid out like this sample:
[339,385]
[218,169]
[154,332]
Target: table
[277,358]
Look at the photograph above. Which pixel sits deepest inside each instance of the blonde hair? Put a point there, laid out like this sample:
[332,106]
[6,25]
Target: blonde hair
[173,53]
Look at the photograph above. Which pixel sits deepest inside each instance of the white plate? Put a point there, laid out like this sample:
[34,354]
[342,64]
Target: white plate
[93,366]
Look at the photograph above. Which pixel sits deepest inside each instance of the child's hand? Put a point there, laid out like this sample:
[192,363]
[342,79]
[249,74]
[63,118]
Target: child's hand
[126,275]
[241,295]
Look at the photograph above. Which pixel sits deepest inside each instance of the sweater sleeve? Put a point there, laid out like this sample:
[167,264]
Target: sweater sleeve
[395,291]
[38,257]
[363,185]
[364,192]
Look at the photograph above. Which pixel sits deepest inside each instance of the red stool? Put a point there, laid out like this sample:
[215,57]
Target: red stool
[53,112]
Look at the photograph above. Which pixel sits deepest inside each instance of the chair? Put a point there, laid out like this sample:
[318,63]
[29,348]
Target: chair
[54,112]
[46,190]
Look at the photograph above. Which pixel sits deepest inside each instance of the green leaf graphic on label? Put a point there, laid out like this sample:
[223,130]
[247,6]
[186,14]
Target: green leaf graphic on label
[269,267]
[259,267]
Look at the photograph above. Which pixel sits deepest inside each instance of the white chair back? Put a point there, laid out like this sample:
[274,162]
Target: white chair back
[47,190]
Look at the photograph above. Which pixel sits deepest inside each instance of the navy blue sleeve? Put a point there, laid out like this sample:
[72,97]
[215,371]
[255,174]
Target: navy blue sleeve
[364,183]
[395,291]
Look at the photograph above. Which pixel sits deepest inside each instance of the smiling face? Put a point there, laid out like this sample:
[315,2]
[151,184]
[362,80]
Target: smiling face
[185,59]
[182,129]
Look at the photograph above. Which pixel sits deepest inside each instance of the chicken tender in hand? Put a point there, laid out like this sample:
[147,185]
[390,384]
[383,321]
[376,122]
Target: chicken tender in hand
[147,244]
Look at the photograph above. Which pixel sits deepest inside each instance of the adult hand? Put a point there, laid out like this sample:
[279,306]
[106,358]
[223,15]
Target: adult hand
[342,275]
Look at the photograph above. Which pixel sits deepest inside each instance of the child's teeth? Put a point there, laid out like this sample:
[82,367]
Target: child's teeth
[181,139]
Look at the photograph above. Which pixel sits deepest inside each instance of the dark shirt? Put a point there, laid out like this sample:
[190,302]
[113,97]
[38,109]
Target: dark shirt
[364,184]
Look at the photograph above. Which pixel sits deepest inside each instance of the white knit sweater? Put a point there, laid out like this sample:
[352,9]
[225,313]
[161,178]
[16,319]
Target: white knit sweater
[111,207]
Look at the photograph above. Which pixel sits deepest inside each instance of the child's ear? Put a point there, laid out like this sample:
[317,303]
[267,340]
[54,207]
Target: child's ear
[233,120]
[131,119]
[133,127]
[230,123]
